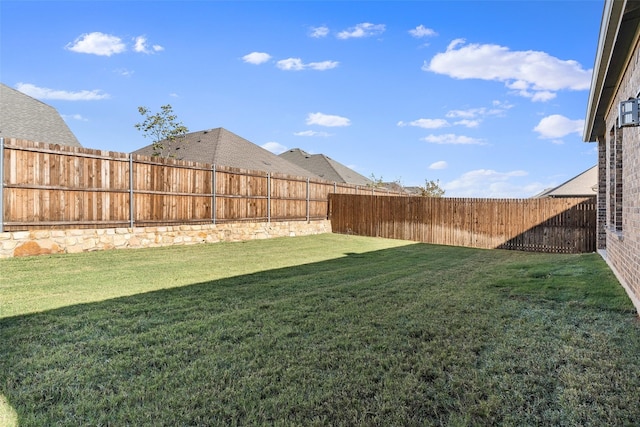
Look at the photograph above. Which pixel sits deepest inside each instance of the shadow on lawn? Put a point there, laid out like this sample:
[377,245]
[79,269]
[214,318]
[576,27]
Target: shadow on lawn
[384,337]
[50,362]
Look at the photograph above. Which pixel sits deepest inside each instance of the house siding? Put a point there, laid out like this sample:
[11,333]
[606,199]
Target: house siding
[619,226]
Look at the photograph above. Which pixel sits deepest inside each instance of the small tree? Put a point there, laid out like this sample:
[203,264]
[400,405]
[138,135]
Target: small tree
[375,181]
[431,189]
[391,185]
[163,128]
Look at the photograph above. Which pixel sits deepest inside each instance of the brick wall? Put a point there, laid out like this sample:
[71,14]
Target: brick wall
[40,242]
[623,242]
[602,195]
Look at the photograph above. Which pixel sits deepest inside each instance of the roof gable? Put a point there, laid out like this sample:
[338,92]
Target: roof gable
[220,147]
[24,117]
[582,185]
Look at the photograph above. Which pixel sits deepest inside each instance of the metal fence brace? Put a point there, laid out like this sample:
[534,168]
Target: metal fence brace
[269,197]
[213,194]
[131,210]
[1,185]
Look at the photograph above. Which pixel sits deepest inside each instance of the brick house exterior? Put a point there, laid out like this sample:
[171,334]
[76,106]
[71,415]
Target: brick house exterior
[616,78]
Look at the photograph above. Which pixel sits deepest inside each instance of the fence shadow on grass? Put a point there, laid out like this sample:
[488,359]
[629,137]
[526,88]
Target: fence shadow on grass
[383,337]
[147,359]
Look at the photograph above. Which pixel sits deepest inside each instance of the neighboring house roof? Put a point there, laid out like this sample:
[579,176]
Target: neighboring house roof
[24,117]
[413,191]
[397,187]
[618,29]
[223,148]
[324,167]
[582,185]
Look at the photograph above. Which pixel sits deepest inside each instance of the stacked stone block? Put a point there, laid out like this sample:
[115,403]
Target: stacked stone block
[40,242]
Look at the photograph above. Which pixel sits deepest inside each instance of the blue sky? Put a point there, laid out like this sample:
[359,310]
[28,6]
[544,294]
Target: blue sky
[488,97]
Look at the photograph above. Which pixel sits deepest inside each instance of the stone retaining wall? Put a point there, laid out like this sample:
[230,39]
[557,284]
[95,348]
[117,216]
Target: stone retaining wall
[39,242]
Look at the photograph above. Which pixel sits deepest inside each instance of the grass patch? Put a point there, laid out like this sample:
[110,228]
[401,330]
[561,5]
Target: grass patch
[322,330]
[41,283]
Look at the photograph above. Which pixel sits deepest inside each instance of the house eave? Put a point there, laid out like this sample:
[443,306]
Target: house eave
[618,29]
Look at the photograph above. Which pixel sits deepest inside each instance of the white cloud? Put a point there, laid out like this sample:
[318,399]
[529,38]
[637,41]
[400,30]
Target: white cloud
[470,118]
[490,183]
[46,93]
[321,66]
[365,29]
[558,126]
[426,123]
[256,58]
[542,96]
[124,72]
[141,46]
[327,120]
[312,133]
[468,123]
[473,117]
[521,88]
[319,32]
[532,74]
[97,44]
[439,165]
[472,113]
[501,105]
[422,31]
[77,117]
[296,64]
[274,147]
[452,139]
[290,64]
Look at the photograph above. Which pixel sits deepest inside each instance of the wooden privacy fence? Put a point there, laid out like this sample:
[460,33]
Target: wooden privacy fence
[46,186]
[566,225]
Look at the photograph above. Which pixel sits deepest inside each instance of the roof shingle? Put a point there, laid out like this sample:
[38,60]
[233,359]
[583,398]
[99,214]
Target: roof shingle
[325,167]
[24,117]
[582,185]
[223,148]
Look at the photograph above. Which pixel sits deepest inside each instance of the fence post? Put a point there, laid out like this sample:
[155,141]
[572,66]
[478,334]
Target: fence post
[213,194]
[269,197]
[1,185]
[308,207]
[131,219]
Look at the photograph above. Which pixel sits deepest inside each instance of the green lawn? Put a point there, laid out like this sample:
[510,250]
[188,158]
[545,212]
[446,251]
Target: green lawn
[320,330]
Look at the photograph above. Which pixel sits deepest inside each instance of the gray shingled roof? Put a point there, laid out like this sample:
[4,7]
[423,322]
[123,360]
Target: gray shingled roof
[582,185]
[325,167]
[223,148]
[24,117]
